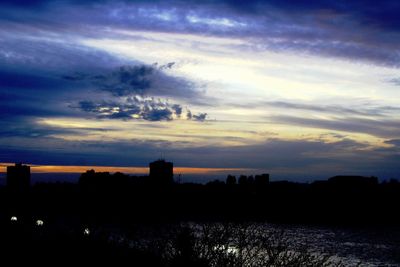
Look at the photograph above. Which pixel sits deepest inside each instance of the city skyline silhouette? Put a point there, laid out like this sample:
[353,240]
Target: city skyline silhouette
[215,133]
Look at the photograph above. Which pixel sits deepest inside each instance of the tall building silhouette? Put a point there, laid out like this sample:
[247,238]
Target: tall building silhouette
[162,172]
[18,177]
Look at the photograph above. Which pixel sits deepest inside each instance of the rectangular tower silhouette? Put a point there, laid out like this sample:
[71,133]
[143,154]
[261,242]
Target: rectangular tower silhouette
[18,177]
[162,172]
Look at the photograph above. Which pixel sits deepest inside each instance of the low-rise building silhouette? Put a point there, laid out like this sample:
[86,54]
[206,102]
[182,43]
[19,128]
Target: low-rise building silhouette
[353,181]
[18,177]
[262,180]
[162,172]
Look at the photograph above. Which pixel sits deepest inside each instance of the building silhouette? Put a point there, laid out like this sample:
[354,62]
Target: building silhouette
[262,180]
[353,180]
[162,172]
[18,177]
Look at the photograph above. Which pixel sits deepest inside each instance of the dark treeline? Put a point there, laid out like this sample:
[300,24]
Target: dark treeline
[341,200]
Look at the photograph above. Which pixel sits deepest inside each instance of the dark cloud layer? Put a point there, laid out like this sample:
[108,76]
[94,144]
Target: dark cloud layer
[144,80]
[43,78]
[25,128]
[133,89]
[148,109]
[32,71]
[356,30]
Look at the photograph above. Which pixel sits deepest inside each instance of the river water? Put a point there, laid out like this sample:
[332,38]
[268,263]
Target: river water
[353,246]
[344,246]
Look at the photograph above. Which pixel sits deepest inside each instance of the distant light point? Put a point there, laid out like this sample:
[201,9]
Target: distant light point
[86,231]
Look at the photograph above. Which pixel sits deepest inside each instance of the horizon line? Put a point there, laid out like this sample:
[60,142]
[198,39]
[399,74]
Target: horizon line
[36,168]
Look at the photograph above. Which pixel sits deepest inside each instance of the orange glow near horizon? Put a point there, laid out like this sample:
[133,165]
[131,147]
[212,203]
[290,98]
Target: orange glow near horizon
[131,170]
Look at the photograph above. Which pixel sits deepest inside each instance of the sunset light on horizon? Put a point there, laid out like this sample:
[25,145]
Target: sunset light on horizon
[127,170]
[303,90]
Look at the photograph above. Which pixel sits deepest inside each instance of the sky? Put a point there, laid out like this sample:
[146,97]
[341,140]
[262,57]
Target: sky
[302,90]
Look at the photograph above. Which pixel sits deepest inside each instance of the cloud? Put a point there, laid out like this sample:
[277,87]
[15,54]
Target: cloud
[38,51]
[394,142]
[196,117]
[283,159]
[135,92]
[26,128]
[140,79]
[356,30]
[200,116]
[379,128]
[189,115]
[137,107]
[41,77]
[128,80]
[356,109]
[395,81]
[177,109]
[34,79]
[46,68]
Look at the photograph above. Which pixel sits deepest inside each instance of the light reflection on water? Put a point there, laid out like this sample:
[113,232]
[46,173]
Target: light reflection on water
[350,247]
[229,249]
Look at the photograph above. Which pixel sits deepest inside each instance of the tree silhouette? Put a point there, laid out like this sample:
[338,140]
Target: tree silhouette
[231,180]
